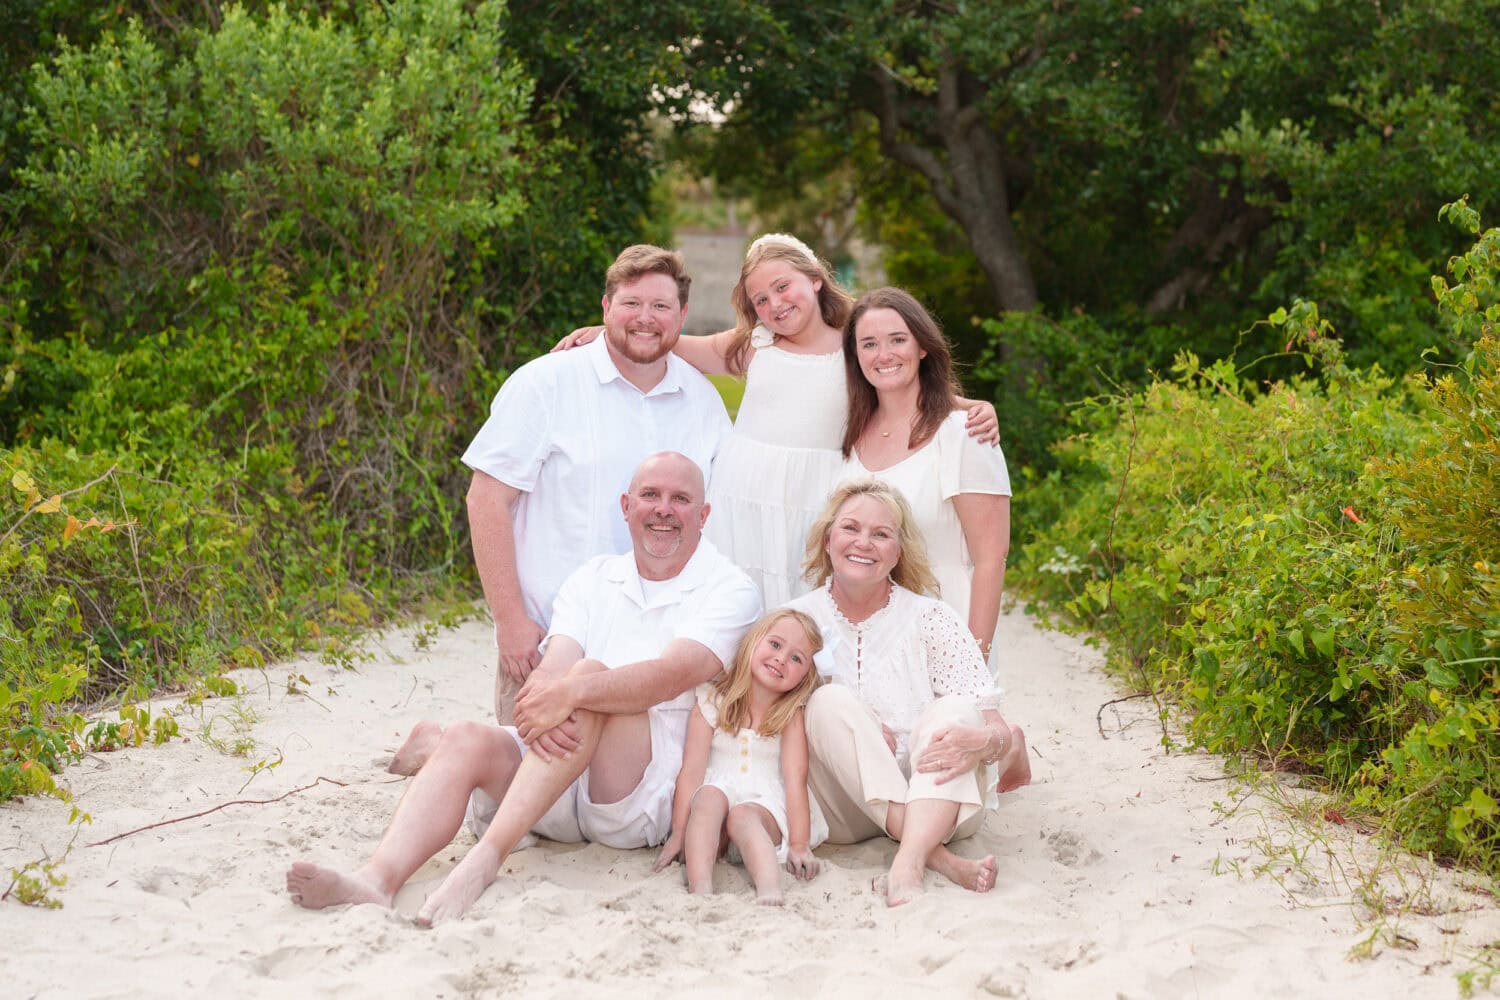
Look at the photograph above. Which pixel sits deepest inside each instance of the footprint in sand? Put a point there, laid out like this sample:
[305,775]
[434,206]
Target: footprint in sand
[1069,954]
[1069,849]
[291,962]
[172,884]
[932,963]
[999,984]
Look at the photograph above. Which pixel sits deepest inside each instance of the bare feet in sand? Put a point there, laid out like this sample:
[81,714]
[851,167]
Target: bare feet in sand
[902,885]
[315,887]
[464,884]
[420,743]
[769,897]
[1015,766]
[974,875]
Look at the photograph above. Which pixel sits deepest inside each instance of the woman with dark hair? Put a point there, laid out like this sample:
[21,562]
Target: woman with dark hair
[906,429]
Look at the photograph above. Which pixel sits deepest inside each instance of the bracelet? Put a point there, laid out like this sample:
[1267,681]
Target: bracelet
[999,751]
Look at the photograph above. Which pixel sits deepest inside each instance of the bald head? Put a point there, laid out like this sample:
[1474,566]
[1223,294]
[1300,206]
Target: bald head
[671,464]
[665,510]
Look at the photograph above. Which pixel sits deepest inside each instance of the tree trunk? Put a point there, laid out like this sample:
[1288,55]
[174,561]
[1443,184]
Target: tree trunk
[968,180]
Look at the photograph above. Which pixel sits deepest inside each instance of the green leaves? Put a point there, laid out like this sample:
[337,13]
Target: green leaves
[1310,569]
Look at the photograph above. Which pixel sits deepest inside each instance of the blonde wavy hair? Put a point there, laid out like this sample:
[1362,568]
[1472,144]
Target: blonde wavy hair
[834,302]
[732,690]
[912,570]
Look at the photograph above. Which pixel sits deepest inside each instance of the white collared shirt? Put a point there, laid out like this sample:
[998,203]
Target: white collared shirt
[568,431]
[603,608]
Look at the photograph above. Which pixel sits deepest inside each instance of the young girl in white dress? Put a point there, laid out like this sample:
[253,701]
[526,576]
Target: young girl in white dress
[743,782]
[769,480]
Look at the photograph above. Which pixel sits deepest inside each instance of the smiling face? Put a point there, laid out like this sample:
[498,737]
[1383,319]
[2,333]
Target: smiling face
[665,511]
[643,318]
[888,353]
[783,656]
[785,299]
[864,542]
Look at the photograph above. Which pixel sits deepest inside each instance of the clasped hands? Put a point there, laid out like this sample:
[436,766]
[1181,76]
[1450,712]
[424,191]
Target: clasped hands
[545,718]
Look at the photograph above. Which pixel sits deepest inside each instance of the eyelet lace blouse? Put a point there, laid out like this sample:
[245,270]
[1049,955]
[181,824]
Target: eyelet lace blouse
[902,658]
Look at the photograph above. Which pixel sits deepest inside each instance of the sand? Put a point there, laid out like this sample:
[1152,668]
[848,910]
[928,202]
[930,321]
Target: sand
[1125,870]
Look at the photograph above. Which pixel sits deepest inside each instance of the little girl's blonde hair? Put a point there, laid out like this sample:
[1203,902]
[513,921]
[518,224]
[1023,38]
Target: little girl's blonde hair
[732,690]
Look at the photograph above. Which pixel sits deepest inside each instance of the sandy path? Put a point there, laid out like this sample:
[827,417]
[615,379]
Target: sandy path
[1107,874]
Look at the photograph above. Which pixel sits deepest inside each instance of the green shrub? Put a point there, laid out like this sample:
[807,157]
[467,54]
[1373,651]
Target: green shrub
[1308,567]
[1442,775]
[242,297]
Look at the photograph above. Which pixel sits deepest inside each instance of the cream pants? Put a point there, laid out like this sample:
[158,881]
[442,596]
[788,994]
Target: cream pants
[855,777]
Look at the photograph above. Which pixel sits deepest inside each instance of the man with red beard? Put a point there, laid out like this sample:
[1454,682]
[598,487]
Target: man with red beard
[564,435]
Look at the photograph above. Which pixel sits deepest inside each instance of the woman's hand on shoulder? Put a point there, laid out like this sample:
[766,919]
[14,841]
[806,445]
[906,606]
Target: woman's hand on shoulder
[579,337]
[982,423]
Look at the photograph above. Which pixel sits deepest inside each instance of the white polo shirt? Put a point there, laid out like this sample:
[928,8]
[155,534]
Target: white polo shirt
[604,607]
[568,431]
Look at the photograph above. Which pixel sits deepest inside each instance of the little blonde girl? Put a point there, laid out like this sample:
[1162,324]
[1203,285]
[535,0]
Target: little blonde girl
[770,478]
[744,769]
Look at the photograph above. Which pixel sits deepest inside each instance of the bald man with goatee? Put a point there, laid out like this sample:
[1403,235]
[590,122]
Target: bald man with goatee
[600,723]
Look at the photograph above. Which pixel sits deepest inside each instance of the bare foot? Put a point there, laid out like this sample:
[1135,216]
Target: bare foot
[1015,766]
[976,876]
[701,888]
[420,743]
[903,885]
[315,887]
[769,897]
[462,887]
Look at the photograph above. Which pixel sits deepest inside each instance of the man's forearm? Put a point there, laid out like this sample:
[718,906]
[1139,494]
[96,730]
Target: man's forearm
[492,530]
[635,687]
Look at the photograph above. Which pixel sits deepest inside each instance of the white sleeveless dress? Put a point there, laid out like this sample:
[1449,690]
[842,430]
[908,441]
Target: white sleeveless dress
[746,767]
[771,478]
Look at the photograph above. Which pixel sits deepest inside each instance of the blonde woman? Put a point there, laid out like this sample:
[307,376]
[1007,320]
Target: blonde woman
[908,740]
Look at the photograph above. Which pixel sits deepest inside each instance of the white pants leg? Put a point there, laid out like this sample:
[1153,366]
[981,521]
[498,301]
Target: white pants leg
[855,777]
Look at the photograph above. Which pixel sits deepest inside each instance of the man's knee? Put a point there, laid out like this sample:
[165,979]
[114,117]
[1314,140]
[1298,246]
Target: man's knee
[465,739]
[586,666]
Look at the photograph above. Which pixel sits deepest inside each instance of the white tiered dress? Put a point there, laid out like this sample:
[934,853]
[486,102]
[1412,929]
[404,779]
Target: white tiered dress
[771,478]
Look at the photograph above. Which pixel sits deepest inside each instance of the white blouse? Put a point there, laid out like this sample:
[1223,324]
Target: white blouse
[902,658]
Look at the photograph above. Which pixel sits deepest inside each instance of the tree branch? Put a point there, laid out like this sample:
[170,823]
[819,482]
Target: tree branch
[222,805]
[910,155]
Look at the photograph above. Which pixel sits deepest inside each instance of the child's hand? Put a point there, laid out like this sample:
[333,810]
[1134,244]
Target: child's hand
[583,335]
[670,851]
[801,863]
